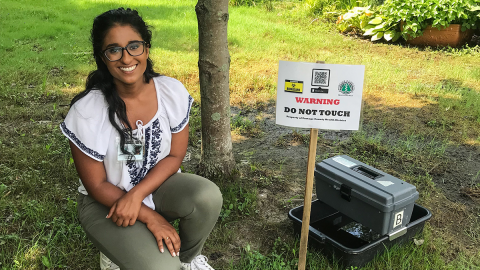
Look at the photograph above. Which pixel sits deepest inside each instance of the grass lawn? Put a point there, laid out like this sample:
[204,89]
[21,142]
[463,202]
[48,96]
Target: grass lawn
[420,107]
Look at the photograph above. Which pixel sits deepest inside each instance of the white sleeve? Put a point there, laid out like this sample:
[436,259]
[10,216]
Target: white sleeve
[87,125]
[177,102]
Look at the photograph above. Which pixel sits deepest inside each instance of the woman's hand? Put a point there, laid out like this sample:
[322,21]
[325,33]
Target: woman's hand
[124,211]
[164,232]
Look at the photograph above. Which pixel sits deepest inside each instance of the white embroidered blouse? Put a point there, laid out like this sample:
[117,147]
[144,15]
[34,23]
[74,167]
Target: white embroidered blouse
[88,127]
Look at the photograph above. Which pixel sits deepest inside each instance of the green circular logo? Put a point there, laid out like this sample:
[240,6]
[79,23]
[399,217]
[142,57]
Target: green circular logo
[346,87]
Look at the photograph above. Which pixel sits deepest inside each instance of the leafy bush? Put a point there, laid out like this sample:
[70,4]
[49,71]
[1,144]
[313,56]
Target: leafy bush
[417,15]
[363,20]
[355,20]
[247,2]
[382,27]
[321,6]
[408,18]
[332,6]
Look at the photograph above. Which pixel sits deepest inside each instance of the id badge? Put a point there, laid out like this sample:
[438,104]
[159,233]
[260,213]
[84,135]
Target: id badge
[134,148]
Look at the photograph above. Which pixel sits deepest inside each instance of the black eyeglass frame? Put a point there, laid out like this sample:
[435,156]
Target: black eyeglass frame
[145,44]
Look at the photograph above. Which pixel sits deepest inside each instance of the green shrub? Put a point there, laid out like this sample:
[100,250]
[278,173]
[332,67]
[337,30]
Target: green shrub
[243,2]
[247,2]
[329,6]
[363,20]
[382,27]
[355,20]
[413,15]
[320,6]
[417,15]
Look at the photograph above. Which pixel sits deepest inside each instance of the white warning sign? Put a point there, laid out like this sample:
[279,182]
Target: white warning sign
[323,96]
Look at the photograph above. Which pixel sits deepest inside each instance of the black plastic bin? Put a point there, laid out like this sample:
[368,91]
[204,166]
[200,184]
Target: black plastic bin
[327,229]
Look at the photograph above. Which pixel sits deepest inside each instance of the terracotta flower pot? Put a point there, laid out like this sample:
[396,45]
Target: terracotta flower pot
[451,36]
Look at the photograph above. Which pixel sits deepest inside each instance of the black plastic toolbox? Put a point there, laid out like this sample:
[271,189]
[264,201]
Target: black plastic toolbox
[349,242]
[371,197]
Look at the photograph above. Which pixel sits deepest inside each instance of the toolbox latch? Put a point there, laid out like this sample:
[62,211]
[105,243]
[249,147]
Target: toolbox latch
[345,192]
[397,234]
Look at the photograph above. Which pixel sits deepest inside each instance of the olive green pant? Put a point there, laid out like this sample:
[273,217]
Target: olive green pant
[194,200]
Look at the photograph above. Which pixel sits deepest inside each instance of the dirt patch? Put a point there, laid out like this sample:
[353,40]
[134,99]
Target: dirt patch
[461,177]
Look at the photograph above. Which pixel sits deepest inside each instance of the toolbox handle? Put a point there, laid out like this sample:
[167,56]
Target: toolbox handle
[366,172]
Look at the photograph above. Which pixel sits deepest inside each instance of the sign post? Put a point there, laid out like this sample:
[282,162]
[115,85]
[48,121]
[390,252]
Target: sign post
[307,201]
[317,96]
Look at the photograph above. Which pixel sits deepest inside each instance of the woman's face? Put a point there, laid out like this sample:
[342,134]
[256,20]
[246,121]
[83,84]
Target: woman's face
[129,69]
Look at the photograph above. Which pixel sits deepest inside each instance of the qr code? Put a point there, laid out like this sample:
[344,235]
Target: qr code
[321,77]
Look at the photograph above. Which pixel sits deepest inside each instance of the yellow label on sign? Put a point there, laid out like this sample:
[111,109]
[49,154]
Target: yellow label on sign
[293,86]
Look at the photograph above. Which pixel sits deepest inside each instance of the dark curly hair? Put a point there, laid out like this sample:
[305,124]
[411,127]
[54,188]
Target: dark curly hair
[101,78]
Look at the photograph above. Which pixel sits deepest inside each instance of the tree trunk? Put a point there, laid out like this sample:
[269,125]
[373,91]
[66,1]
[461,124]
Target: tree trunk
[214,64]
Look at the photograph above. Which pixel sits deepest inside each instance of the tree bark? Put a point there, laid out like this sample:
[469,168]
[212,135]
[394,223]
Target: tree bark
[214,64]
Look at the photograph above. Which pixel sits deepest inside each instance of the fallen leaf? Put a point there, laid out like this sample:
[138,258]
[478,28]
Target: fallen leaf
[418,242]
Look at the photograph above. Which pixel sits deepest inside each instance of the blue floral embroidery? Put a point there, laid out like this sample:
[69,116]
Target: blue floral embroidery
[153,141]
[136,172]
[80,145]
[156,143]
[182,124]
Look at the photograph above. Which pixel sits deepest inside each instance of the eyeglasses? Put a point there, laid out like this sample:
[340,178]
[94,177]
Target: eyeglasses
[135,48]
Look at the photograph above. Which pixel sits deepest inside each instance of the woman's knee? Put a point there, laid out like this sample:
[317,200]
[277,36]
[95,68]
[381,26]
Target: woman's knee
[207,197]
[186,194]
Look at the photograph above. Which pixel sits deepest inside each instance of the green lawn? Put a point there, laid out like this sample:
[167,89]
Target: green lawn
[422,95]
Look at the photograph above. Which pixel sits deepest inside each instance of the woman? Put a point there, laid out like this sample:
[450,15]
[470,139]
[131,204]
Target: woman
[128,135]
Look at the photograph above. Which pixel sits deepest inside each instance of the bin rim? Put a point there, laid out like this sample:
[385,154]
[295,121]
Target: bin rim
[364,248]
